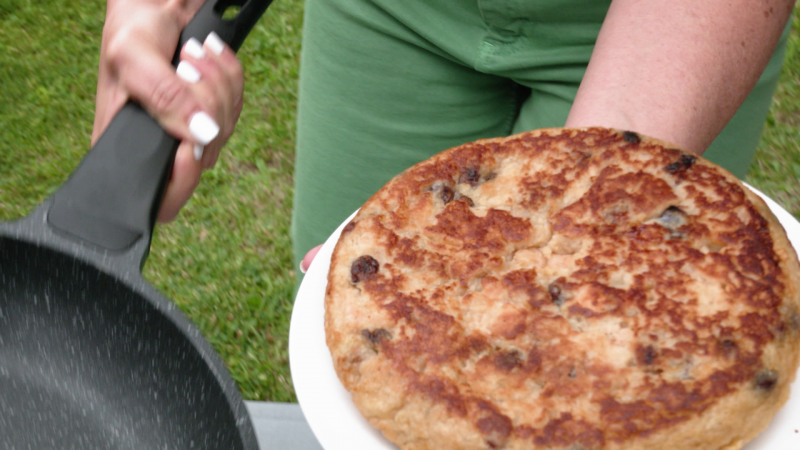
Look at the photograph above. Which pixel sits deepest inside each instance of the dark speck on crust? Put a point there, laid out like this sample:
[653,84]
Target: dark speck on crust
[508,360]
[470,176]
[728,347]
[447,195]
[631,137]
[672,219]
[466,199]
[363,268]
[377,335]
[649,355]
[766,380]
[556,294]
[349,227]
[681,165]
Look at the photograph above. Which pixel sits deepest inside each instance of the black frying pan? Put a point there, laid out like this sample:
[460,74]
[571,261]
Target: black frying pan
[91,355]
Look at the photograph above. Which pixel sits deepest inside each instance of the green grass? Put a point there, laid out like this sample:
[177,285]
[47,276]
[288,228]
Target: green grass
[226,260]
[776,169]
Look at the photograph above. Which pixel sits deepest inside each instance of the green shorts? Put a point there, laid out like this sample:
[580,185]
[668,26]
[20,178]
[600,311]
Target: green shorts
[385,84]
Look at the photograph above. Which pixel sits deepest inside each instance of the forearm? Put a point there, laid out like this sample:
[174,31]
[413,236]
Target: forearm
[185,9]
[168,15]
[677,70]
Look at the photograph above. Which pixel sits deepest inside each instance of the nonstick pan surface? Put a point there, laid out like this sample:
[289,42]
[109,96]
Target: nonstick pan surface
[91,355]
[88,360]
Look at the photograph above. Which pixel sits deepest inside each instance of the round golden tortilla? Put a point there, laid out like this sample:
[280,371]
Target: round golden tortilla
[570,289]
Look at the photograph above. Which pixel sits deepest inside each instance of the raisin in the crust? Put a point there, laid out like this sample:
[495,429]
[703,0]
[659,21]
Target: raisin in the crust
[447,195]
[508,360]
[646,358]
[349,227]
[470,176]
[682,164]
[728,347]
[672,218]
[631,137]
[466,199]
[363,268]
[649,355]
[766,380]
[377,335]
[556,294]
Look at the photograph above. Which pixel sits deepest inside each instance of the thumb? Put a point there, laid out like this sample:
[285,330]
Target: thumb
[306,262]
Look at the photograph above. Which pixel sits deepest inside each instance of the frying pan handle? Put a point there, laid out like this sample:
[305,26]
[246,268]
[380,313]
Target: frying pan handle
[112,199]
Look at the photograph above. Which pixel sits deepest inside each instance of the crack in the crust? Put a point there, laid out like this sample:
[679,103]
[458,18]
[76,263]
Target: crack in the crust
[513,254]
[357,287]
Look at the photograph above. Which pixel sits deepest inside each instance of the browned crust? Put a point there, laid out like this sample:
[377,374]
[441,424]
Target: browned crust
[573,289]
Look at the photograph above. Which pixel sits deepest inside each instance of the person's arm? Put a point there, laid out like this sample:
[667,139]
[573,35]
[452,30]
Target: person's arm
[139,39]
[677,70]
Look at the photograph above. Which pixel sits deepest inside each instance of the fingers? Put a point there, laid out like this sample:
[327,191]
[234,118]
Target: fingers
[186,173]
[226,60]
[218,82]
[309,258]
[209,82]
[152,81]
[213,75]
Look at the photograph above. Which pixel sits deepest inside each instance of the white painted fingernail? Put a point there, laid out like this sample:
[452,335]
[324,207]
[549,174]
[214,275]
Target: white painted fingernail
[194,48]
[198,152]
[203,128]
[302,270]
[188,72]
[214,42]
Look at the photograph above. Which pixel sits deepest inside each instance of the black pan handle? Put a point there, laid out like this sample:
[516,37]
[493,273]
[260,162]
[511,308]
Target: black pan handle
[112,199]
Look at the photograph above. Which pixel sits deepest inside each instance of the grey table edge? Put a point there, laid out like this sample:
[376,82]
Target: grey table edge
[281,426]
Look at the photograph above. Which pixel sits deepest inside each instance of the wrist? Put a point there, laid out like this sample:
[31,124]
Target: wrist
[692,137]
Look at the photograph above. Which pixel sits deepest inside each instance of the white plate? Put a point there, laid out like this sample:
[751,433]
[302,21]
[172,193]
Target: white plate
[337,423]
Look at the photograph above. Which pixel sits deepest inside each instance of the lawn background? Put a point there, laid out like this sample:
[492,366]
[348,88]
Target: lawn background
[226,261]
